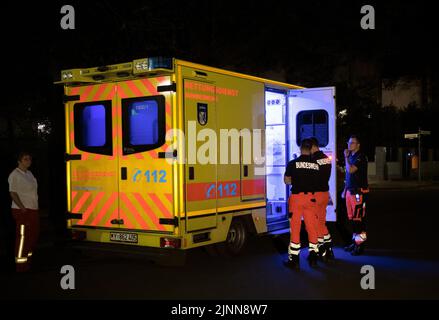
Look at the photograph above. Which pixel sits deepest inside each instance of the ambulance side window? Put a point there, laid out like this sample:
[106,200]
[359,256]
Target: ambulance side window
[143,123]
[92,127]
[313,123]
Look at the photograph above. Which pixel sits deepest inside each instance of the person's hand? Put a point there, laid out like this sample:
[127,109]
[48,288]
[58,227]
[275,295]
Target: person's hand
[346,153]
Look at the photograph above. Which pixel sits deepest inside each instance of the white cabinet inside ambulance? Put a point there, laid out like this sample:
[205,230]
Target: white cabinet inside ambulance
[130,186]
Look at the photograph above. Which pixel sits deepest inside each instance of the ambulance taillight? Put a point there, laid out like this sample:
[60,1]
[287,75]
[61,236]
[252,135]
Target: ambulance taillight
[170,243]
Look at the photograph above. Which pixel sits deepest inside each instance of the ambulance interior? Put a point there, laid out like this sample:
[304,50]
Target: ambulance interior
[288,121]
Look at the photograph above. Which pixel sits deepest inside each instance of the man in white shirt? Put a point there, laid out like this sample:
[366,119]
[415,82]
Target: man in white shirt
[23,190]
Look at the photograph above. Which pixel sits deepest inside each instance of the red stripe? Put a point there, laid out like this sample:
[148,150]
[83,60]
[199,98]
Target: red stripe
[74,90]
[111,94]
[162,79]
[160,205]
[81,202]
[253,187]
[74,193]
[153,154]
[148,210]
[121,93]
[169,197]
[134,211]
[134,88]
[91,207]
[101,89]
[104,209]
[224,189]
[198,191]
[114,215]
[149,87]
[86,92]
[126,222]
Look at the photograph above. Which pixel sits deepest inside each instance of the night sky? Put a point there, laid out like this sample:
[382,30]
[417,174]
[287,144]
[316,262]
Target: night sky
[310,43]
[306,39]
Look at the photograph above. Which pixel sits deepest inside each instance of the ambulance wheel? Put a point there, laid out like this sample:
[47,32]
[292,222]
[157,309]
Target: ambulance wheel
[236,239]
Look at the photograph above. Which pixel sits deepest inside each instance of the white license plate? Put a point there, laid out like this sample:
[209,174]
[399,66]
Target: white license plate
[123,237]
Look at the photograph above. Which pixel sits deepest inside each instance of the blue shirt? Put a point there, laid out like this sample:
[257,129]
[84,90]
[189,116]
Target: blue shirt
[358,179]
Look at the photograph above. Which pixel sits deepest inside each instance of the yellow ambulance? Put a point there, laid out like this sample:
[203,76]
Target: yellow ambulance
[166,154]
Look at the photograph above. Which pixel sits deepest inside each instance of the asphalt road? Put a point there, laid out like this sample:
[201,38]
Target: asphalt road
[402,249]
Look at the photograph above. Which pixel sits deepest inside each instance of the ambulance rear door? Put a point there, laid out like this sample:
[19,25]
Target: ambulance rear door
[311,113]
[92,163]
[145,163]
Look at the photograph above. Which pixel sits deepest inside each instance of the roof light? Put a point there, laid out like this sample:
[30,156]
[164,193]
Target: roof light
[66,75]
[141,65]
[160,63]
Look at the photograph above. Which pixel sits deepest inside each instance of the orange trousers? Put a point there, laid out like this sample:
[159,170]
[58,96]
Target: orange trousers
[303,205]
[356,209]
[322,199]
[27,232]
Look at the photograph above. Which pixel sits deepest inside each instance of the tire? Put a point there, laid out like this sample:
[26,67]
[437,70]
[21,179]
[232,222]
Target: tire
[236,239]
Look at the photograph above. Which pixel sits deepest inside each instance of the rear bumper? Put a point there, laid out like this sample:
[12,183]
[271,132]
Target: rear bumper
[103,235]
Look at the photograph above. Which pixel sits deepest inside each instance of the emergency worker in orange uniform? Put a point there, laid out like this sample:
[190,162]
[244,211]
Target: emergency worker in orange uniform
[322,197]
[301,173]
[356,192]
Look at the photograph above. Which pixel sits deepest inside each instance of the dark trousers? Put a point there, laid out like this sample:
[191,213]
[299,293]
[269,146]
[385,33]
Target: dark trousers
[27,232]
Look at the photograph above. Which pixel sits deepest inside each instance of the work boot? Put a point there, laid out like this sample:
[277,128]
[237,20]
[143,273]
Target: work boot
[292,262]
[312,259]
[323,251]
[329,252]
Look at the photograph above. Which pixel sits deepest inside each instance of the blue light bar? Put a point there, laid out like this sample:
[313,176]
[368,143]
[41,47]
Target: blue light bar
[160,63]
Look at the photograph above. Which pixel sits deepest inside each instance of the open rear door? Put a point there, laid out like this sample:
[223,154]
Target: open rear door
[311,112]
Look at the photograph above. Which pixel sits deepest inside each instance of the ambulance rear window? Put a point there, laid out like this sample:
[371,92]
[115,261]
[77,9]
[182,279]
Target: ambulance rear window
[92,127]
[313,123]
[143,123]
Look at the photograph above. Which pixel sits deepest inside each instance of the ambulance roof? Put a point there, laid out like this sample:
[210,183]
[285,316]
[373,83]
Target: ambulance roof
[145,67]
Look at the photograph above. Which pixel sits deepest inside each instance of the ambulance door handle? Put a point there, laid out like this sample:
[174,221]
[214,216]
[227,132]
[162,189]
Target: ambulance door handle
[191,173]
[245,170]
[70,157]
[123,173]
